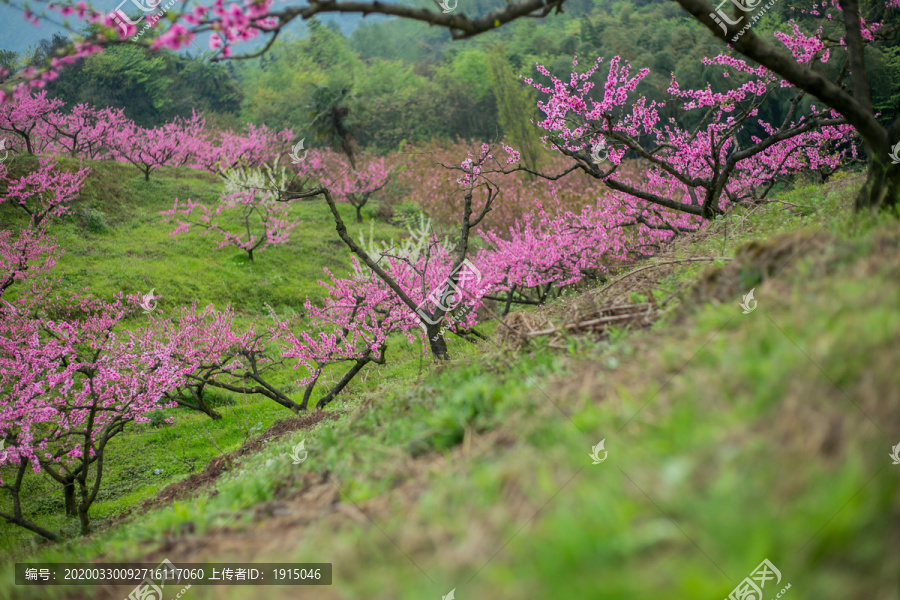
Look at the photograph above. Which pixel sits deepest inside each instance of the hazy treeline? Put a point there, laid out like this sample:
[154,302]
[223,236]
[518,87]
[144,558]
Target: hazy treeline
[396,81]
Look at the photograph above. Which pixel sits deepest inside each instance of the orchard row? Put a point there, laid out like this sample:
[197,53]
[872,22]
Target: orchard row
[73,376]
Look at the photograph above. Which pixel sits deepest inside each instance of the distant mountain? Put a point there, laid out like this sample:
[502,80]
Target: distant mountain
[17,34]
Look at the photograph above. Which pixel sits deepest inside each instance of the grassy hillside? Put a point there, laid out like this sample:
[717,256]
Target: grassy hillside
[731,437]
[114,240]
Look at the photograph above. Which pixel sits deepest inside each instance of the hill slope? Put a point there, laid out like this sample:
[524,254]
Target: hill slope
[729,438]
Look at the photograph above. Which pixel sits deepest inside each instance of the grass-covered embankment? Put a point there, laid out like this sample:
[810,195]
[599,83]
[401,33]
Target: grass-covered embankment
[115,241]
[732,438]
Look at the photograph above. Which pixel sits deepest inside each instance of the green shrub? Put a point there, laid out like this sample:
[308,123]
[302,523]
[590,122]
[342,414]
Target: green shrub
[94,220]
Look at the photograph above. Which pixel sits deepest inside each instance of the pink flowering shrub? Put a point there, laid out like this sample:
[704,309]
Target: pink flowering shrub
[72,377]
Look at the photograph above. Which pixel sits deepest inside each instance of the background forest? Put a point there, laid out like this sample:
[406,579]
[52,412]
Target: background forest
[405,82]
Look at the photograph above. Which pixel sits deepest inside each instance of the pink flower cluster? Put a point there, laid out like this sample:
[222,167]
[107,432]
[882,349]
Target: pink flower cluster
[35,124]
[74,379]
[71,374]
[687,172]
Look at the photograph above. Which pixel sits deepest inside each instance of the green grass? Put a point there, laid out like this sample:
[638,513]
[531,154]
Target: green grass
[133,252]
[139,254]
[732,438]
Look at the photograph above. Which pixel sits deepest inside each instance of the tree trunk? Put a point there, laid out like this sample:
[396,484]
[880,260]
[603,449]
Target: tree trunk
[358,213]
[83,507]
[882,187]
[69,497]
[16,518]
[201,407]
[264,388]
[210,413]
[509,299]
[30,527]
[348,376]
[197,393]
[437,343]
